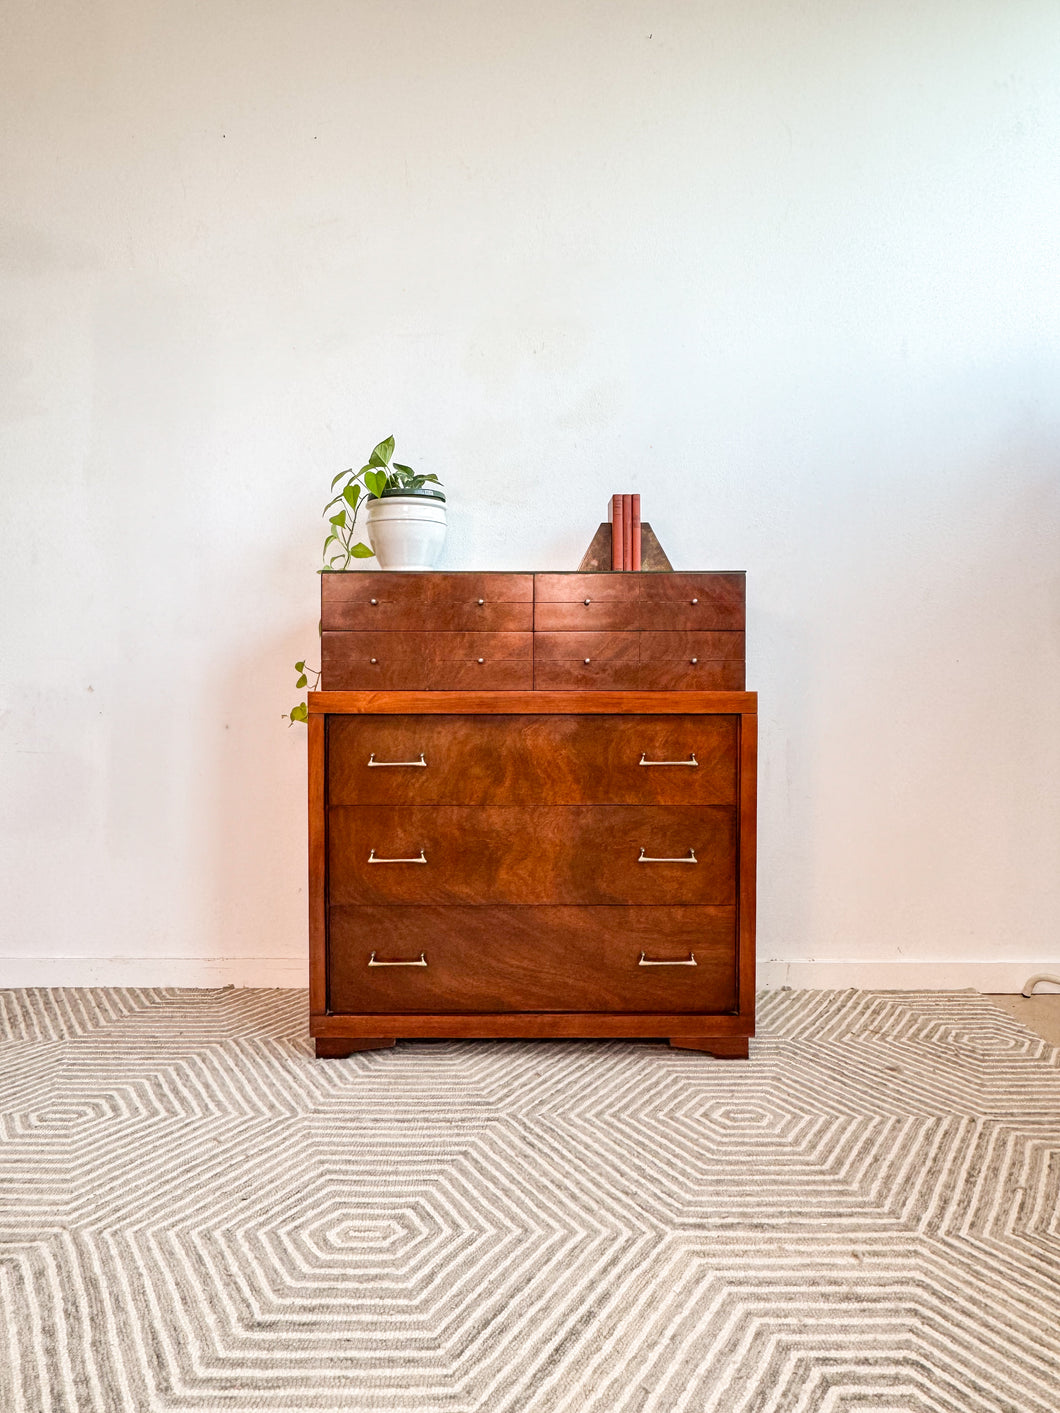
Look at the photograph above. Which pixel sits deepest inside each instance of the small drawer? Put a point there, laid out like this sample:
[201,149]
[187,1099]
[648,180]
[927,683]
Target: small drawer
[368,601]
[689,661]
[639,677]
[630,601]
[498,959]
[528,760]
[518,854]
[426,661]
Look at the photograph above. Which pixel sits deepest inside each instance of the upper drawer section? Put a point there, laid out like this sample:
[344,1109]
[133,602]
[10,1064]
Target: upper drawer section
[372,601]
[588,602]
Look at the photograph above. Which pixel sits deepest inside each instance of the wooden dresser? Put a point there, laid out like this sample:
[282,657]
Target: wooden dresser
[532,809]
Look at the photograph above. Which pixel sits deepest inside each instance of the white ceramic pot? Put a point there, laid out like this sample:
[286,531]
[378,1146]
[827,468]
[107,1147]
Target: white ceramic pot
[406,532]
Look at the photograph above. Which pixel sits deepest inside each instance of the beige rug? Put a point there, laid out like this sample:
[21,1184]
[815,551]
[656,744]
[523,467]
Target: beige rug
[196,1215]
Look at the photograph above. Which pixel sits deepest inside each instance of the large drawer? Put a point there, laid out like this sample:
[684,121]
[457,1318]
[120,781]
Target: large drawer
[532,959]
[485,854]
[594,602]
[453,661]
[370,601]
[523,760]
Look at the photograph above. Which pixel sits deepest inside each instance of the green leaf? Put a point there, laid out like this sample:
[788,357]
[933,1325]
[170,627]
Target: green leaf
[363,469]
[339,520]
[351,495]
[336,479]
[376,482]
[303,681]
[300,712]
[382,453]
[416,483]
[429,477]
[407,469]
[336,558]
[360,551]
[299,667]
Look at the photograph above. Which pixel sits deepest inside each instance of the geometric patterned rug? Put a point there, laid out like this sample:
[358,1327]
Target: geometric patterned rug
[197,1215]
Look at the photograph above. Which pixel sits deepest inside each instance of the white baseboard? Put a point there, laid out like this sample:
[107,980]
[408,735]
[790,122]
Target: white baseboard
[154,971]
[823,975]
[851,973]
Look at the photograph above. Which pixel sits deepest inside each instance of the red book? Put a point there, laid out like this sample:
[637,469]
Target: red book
[617,538]
[635,560]
[627,532]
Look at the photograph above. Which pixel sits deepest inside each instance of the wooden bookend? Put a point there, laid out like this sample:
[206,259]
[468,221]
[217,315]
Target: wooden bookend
[598,556]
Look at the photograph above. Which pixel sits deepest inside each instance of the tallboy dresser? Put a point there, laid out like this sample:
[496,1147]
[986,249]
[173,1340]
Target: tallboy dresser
[532,809]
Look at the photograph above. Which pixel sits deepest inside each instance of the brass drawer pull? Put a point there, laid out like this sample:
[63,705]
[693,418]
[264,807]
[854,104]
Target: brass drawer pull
[690,761]
[372,858]
[691,858]
[377,764]
[689,961]
[421,961]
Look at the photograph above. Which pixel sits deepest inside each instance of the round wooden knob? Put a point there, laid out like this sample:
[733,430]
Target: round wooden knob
[373,601]
[375,659]
[588,659]
[695,601]
[481,602]
[482,659]
[693,660]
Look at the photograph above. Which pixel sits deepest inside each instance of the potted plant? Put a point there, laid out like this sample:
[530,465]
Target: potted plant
[405,515]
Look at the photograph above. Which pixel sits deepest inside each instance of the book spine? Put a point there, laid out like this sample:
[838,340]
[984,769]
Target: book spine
[627,532]
[634,562]
[617,533]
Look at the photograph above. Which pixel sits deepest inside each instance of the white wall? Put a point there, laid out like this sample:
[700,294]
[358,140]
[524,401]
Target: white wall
[788,269]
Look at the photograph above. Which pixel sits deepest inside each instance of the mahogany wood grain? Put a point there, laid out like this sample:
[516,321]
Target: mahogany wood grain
[529,1025]
[600,647]
[485,854]
[601,703]
[722,1048]
[747,860]
[531,959]
[532,760]
[425,661]
[318,955]
[709,646]
[334,1048]
[722,586]
[639,646]
[408,602]
[638,601]
[580,676]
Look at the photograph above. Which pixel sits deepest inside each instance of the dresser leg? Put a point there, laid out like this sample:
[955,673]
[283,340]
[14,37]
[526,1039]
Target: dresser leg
[330,1047]
[721,1047]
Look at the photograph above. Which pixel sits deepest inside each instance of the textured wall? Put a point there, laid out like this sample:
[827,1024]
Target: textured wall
[787,270]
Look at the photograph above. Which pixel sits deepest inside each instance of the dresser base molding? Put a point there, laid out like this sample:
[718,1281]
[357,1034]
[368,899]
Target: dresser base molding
[532,1025]
[336,1047]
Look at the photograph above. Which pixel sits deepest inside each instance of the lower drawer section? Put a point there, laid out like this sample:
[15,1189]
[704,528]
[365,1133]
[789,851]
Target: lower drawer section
[493,959]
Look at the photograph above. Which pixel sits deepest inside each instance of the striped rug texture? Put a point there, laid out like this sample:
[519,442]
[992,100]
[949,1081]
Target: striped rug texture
[195,1214]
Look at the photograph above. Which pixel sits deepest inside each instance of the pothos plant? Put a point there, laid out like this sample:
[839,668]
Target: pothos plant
[378,475]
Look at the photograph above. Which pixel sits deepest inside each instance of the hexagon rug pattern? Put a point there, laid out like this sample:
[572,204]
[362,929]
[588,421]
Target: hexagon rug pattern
[197,1215]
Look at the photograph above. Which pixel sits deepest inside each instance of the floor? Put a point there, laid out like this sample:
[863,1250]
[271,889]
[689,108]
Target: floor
[196,1216]
[1040,1013]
